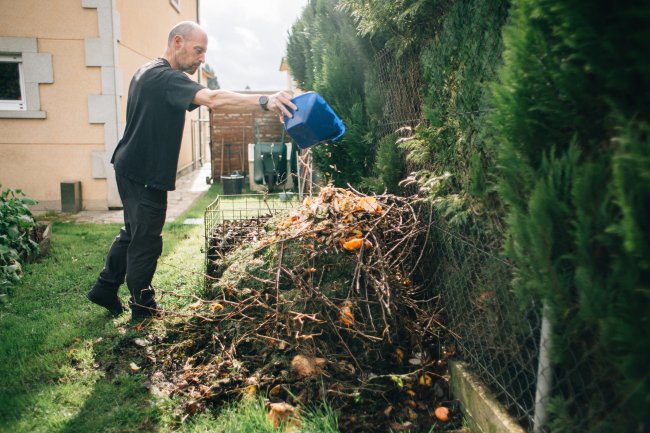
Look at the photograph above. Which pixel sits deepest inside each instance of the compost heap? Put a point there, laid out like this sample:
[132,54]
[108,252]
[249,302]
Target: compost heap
[323,304]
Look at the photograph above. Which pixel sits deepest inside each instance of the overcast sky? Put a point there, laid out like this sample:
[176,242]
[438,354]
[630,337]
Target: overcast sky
[247,40]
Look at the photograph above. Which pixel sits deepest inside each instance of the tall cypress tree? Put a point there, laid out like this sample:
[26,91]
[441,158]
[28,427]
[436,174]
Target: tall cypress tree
[571,131]
[326,55]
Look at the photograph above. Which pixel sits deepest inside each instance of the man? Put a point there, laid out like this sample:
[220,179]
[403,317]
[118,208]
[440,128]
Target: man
[146,160]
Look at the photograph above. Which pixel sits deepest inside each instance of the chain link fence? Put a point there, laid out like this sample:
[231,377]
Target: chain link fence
[499,339]
[399,83]
[515,348]
[505,343]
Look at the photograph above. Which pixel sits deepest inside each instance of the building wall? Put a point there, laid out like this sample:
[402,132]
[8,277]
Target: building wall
[37,154]
[95,47]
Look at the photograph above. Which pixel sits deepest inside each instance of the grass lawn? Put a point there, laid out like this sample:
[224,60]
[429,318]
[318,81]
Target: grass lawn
[62,359]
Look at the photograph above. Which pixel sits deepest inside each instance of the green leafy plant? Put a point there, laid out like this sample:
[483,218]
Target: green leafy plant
[16,221]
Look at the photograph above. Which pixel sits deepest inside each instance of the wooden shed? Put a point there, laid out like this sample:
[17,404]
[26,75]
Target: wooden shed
[230,134]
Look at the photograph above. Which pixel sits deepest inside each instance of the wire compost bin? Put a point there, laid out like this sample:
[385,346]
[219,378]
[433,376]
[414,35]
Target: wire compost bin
[231,221]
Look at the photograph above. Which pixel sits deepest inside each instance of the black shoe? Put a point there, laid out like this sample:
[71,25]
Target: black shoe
[146,306]
[106,297]
[140,313]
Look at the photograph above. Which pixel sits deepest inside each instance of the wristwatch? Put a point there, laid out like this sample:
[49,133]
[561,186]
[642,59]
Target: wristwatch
[264,100]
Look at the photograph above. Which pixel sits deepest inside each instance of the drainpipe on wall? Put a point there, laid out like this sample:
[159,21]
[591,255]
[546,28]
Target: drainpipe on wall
[199,163]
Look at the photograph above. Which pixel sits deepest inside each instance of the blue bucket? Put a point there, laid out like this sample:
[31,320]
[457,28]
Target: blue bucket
[313,122]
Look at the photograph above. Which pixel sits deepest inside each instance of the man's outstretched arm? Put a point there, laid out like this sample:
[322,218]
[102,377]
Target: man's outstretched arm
[233,102]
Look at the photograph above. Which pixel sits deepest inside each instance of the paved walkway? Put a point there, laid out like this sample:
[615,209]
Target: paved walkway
[188,189]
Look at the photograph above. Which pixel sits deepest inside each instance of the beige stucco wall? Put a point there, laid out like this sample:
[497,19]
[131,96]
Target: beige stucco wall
[37,154]
[144,31]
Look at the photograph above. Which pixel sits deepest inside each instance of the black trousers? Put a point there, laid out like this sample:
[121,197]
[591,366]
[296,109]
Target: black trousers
[135,251]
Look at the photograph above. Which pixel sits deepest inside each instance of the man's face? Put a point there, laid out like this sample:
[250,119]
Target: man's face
[190,51]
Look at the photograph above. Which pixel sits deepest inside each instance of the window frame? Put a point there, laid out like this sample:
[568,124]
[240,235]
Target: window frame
[14,104]
[37,69]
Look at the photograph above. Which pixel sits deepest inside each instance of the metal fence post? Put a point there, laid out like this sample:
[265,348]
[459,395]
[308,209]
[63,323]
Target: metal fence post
[544,374]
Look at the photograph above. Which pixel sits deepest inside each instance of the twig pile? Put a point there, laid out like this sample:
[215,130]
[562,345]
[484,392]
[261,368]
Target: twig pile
[326,306]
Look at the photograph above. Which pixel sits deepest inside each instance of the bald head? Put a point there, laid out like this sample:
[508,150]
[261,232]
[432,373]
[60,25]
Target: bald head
[186,46]
[185,29]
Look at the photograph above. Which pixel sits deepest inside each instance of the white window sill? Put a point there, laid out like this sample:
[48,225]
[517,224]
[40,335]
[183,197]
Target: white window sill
[22,114]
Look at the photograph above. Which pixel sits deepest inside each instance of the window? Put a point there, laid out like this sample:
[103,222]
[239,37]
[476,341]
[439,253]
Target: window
[12,82]
[176,4]
[22,70]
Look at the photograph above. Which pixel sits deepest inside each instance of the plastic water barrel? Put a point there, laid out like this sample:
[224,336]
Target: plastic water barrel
[313,122]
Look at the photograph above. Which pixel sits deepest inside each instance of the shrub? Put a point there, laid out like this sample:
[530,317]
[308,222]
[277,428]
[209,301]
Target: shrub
[571,131]
[16,221]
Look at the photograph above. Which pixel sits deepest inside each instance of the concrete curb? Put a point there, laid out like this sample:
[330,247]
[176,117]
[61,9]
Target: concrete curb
[484,413]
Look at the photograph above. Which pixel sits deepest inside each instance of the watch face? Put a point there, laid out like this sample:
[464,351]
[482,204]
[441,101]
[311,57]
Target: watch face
[264,100]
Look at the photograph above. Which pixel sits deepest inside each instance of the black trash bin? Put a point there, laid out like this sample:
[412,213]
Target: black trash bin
[232,184]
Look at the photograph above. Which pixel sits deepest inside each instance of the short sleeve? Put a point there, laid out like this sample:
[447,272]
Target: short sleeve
[181,90]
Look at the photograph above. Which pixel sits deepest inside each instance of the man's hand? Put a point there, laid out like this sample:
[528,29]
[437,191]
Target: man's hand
[280,103]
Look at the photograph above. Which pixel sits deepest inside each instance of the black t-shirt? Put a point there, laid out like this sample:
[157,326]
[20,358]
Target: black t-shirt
[148,152]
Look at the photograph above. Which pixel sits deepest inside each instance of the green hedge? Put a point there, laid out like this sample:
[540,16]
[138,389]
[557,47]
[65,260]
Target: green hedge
[571,132]
[325,55]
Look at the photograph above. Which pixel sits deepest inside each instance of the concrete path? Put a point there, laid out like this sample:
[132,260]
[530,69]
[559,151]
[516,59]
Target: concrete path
[188,189]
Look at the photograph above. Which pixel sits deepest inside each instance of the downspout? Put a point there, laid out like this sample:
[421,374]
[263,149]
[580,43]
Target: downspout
[199,163]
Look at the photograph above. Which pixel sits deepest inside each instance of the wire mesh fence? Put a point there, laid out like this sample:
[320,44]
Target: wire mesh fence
[496,336]
[515,348]
[233,220]
[400,89]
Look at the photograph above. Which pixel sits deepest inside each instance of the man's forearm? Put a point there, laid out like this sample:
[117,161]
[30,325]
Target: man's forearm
[228,101]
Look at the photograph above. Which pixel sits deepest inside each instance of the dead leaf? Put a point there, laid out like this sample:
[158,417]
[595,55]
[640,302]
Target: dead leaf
[134,367]
[368,204]
[485,296]
[196,305]
[397,426]
[413,415]
[306,366]
[283,414]
[215,306]
[191,407]
[345,313]
[399,354]
[142,342]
